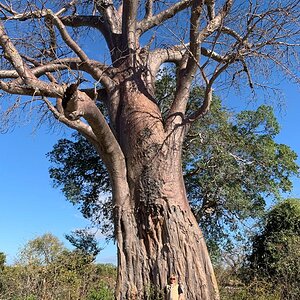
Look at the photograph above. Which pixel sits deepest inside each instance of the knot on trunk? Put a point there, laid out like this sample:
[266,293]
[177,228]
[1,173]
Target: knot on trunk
[73,102]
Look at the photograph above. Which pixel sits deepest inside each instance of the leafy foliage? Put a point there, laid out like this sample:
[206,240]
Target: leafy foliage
[67,275]
[276,249]
[41,251]
[280,237]
[103,291]
[231,163]
[2,260]
[82,176]
[84,241]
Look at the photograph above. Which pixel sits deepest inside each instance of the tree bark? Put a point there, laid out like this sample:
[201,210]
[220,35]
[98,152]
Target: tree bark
[156,231]
[156,242]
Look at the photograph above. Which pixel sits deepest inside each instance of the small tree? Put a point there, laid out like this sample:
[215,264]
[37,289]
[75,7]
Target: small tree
[63,275]
[42,250]
[84,242]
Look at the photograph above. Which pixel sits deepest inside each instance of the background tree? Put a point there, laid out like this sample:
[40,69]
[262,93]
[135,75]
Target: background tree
[276,249]
[155,229]
[41,251]
[67,275]
[2,261]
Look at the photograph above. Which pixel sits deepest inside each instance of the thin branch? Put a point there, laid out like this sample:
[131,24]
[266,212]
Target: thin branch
[97,73]
[210,8]
[34,14]
[161,17]
[56,65]
[204,108]
[27,77]
[188,69]
[38,89]
[86,21]
[8,9]
[185,77]
[66,37]
[39,13]
[52,35]
[12,54]
[66,7]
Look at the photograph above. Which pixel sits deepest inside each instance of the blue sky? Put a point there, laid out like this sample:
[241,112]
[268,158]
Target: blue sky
[30,206]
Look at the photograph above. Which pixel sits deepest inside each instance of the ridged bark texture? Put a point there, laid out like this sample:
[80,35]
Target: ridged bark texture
[156,231]
[154,246]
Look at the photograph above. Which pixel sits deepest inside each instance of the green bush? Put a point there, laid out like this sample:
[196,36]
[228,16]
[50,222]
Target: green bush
[103,292]
[275,257]
[255,290]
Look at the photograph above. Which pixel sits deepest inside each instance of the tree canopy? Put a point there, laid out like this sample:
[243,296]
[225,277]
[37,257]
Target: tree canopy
[41,251]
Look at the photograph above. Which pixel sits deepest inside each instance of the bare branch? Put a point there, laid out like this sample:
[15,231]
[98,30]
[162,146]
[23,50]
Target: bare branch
[92,69]
[80,105]
[216,22]
[204,108]
[87,21]
[27,77]
[8,9]
[174,54]
[148,9]
[66,7]
[39,13]
[161,17]
[188,68]
[129,22]
[210,8]
[14,57]
[78,125]
[53,41]
[59,64]
[110,14]
[66,37]
[38,88]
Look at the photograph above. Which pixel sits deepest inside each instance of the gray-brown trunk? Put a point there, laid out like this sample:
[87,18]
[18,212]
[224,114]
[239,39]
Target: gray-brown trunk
[155,245]
[156,231]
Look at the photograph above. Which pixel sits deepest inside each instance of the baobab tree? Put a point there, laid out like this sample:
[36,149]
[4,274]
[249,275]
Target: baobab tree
[68,57]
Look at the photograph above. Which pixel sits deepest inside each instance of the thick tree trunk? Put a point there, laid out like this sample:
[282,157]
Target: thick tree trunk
[156,231]
[157,242]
